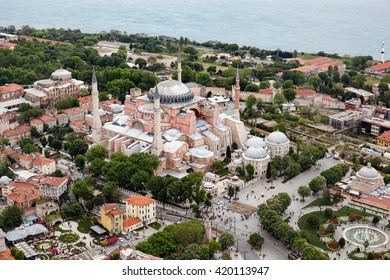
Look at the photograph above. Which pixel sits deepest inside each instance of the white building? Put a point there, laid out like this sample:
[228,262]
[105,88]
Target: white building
[258,157]
[53,187]
[278,144]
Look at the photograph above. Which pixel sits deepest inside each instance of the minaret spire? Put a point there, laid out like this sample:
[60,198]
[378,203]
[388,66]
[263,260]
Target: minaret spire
[179,67]
[97,123]
[237,96]
[157,144]
[383,53]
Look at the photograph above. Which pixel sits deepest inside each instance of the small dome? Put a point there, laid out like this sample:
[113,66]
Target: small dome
[5,180]
[277,137]
[368,172]
[116,107]
[237,162]
[172,91]
[61,72]
[256,152]
[255,141]
[209,185]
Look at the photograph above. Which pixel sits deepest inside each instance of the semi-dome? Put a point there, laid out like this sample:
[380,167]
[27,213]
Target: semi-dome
[171,91]
[368,172]
[277,137]
[256,152]
[5,180]
[255,141]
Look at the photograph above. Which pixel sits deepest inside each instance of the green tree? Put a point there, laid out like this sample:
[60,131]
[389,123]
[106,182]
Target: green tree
[289,94]
[204,79]
[341,242]
[256,241]
[375,220]
[111,192]
[252,88]
[11,217]
[292,169]
[312,220]
[228,152]
[81,189]
[317,184]
[304,191]
[140,62]
[80,162]
[77,146]
[97,151]
[230,192]
[226,256]
[250,102]
[328,213]
[314,81]
[96,167]
[279,99]
[250,171]
[56,144]
[226,239]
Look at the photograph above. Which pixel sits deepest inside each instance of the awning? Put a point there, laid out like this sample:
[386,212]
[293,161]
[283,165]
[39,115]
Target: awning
[98,229]
[354,192]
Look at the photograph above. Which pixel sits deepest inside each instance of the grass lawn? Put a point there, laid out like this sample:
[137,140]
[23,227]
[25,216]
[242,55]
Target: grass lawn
[372,80]
[312,232]
[318,202]
[219,67]
[307,56]
[57,228]
[83,228]
[155,225]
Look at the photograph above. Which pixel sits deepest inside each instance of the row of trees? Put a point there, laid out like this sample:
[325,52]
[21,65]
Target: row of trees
[271,220]
[335,174]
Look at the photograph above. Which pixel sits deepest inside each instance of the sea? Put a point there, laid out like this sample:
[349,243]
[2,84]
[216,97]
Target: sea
[345,27]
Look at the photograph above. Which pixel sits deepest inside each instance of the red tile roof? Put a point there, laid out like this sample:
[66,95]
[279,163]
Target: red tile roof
[74,111]
[25,157]
[327,98]
[6,256]
[266,91]
[7,45]
[381,67]
[85,99]
[305,69]
[47,118]
[140,200]
[305,92]
[35,121]
[318,61]
[61,116]
[55,181]
[41,161]
[23,192]
[131,222]
[385,136]
[110,206]
[10,88]
[21,129]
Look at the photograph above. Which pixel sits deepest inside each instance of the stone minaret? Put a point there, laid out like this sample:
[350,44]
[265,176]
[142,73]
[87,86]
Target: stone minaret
[179,67]
[237,96]
[157,145]
[97,123]
[2,241]
[383,53]
[207,231]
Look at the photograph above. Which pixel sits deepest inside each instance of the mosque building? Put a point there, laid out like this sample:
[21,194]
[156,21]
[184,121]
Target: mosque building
[366,180]
[185,130]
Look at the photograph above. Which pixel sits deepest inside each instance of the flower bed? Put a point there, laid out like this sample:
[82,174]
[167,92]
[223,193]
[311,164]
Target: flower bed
[44,246]
[324,233]
[353,217]
[333,246]
[377,257]
[334,221]
[69,238]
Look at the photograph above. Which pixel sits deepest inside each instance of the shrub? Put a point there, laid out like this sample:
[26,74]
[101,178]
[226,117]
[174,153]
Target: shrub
[328,213]
[313,220]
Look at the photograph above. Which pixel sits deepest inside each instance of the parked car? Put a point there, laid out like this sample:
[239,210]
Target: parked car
[135,233]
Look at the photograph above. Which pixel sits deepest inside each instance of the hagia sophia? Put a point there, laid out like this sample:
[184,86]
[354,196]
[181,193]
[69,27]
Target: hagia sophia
[186,131]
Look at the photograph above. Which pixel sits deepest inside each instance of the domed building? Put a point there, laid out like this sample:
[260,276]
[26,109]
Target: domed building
[50,91]
[258,157]
[366,180]
[255,141]
[187,131]
[277,143]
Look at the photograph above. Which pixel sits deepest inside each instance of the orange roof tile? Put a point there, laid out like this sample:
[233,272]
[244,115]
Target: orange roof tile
[35,121]
[23,192]
[6,256]
[305,69]
[318,61]
[385,136]
[140,200]
[25,157]
[305,92]
[266,91]
[47,118]
[381,67]
[7,45]
[10,88]
[41,161]
[85,99]
[115,213]
[74,111]
[131,222]
[107,207]
[54,181]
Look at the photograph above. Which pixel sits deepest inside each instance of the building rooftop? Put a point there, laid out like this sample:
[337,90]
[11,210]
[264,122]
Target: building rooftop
[139,200]
[384,136]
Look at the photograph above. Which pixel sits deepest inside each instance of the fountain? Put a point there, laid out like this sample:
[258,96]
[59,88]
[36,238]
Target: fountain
[358,235]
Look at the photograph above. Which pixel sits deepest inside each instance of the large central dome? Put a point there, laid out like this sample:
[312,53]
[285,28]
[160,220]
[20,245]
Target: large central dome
[368,172]
[172,91]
